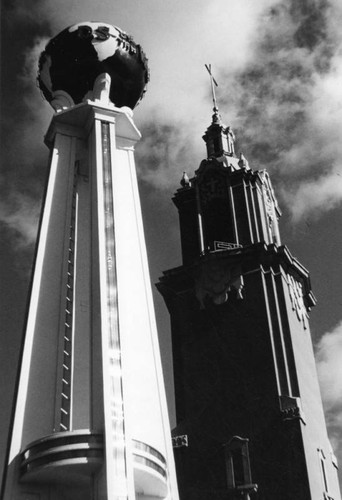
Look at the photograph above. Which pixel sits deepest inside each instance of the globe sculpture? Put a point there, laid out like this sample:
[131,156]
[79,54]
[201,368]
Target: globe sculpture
[73,60]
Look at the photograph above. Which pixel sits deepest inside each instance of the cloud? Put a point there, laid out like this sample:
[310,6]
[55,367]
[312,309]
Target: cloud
[278,65]
[329,367]
[164,152]
[20,215]
[316,196]
[24,114]
[286,104]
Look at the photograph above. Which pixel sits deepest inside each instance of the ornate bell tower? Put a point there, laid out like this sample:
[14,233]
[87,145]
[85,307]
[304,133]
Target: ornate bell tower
[250,422]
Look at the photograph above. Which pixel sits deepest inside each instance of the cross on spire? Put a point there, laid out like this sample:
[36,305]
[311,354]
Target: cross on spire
[213,82]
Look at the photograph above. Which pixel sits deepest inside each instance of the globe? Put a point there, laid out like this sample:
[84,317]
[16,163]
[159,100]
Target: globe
[74,58]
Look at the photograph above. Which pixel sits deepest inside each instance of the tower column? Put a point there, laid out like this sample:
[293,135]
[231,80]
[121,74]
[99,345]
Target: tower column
[96,416]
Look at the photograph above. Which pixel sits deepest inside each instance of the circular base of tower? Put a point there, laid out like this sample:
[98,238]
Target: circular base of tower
[150,473]
[63,455]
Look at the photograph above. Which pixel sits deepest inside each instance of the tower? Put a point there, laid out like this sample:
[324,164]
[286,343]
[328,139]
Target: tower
[250,422]
[91,419]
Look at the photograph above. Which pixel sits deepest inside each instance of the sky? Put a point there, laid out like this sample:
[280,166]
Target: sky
[278,64]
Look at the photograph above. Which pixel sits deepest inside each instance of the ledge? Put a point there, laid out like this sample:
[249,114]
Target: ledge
[49,459]
[69,456]
[181,279]
[150,474]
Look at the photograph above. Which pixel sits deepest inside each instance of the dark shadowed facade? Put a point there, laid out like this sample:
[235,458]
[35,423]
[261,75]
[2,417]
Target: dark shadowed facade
[250,422]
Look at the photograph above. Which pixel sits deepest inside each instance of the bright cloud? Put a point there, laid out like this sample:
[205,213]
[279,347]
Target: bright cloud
[316,196]
[279,68]
[329,367]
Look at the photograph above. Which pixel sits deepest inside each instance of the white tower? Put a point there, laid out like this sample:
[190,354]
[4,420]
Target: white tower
[91,419]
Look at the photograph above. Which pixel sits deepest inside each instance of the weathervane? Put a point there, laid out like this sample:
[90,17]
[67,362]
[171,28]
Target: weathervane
[213,82]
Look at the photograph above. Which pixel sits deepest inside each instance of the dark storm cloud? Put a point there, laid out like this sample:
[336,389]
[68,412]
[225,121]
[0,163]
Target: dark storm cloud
[23,160]
[21,27]
[312,22]
[273,94]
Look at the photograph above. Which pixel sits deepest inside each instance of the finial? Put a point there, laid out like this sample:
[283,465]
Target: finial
[213,82]
[243,163]
[185,181]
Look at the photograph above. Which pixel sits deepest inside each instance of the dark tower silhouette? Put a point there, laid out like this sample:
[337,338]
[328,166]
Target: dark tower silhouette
[250,421]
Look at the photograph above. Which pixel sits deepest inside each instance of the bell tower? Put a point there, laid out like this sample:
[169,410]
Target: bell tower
[250,421]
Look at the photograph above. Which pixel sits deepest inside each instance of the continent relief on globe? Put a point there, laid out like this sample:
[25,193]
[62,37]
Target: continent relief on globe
[73,60]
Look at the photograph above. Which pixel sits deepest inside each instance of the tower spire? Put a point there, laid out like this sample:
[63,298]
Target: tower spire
[214,84]
[219,138]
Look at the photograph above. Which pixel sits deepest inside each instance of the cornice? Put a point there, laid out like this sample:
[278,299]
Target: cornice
[256,257]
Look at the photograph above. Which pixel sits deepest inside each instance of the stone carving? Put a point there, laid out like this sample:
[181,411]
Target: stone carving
[231,140]
[180,441]
[291,409]
[269,206]
[216,280]
[297,300]
[212,187]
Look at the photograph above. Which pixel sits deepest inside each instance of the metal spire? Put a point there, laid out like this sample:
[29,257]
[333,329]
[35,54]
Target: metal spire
[213,82]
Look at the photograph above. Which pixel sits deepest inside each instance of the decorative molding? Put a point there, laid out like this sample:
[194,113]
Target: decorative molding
[297,300]
[139,446]
[180,441]
[269,206]
[61,453]
[220,246]
[267,185]
[212,187]
[333,456]
[66,383]
[291,408]
[150,470]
